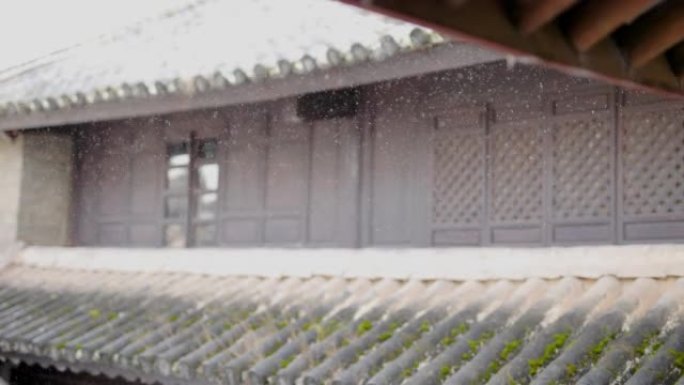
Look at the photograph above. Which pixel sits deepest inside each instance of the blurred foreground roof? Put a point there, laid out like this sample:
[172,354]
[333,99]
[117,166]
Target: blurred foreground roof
[178,328]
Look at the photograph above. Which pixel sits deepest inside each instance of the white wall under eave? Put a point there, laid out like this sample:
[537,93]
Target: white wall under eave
[46,188]
[35,190]
[11,162]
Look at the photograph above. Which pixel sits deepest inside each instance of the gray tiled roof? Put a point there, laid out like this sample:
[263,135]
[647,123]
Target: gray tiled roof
[176,328]
[207,45]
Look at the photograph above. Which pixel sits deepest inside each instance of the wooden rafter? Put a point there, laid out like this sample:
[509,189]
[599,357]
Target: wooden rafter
[534,14]
[676,56]
[654,34]
[593,20]
[628,42]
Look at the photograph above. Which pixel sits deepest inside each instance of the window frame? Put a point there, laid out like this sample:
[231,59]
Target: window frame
[189,220]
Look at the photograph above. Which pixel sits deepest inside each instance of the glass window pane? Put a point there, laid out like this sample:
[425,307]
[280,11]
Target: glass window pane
[206,206]
[179,154]
[175,207]
[205,235]
[207,149]
[208,175]
[174,235]
[177,180]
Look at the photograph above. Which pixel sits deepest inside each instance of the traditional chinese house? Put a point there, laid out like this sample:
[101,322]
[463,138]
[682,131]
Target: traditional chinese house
[333,198]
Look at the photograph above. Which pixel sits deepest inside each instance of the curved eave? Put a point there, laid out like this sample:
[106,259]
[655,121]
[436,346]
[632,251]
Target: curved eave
[200,92]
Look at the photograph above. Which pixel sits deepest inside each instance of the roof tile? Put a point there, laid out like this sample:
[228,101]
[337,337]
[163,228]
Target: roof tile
[185,328]
[180,51]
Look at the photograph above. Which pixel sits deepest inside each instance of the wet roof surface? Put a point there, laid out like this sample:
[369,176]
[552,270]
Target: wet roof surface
[204,46]
[183,328]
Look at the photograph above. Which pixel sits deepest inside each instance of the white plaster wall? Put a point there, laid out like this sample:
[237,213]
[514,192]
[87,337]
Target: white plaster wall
[46,189]
[11,160]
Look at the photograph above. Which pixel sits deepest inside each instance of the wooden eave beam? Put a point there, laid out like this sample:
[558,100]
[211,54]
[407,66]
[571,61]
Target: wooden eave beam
[495,24]
[534,14]
[654,34]
[676,57]
[594,20]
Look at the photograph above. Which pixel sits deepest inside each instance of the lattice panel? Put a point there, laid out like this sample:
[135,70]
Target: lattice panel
[458,178]
[582,169]
[517,174]
[653,163]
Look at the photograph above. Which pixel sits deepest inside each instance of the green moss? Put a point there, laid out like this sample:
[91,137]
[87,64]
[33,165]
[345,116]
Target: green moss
[61,345]
[273,349]
[407,372]
[597,350]
[656,346]
[112,315]
[327,329]
[453,334]
[363,327]
[311,324]
[285,362]
[648,345]
[255,325]
[505,353]
[281,324]
[424,327]
[511,381]
[550,351]
[173,318]
[190,321]
[678,359]
[409,342]
[510,348]
[475,345]
[444,372]
[94,313]
[387,334]
[242,314]
[593,355]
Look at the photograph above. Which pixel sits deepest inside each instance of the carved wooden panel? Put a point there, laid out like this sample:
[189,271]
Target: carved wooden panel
[652,157]
[516,173]
[459,148]
[458,174]
[653,162]
[582,169]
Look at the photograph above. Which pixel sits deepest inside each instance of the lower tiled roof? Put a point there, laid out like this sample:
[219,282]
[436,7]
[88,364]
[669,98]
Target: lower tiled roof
[184,328]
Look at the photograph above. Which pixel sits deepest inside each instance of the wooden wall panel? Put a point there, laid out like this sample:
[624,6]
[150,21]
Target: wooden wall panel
[420,165]
[398,165]
[582,169]
[517,182]
[652,177]
[334,183]
[326,163]
[459,159]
